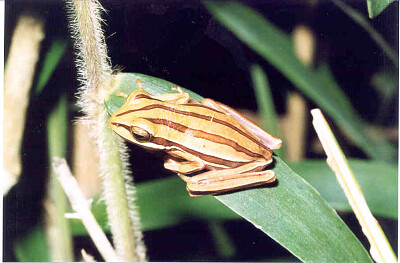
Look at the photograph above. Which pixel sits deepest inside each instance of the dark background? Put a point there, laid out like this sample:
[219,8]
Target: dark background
[179,41]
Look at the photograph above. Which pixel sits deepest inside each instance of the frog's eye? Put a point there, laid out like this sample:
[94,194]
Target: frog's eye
[140,134]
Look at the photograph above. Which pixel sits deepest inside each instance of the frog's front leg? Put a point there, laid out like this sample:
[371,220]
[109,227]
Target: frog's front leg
[189,163]
[269,140]
[215,182]
[176,98]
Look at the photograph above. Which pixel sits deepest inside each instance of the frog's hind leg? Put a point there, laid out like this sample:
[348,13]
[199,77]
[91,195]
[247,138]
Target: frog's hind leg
[215,182]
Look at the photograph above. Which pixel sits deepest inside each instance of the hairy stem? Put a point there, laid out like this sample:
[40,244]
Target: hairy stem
[94,69]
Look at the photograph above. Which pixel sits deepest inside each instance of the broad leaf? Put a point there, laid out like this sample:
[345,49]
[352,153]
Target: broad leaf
[165,202]
[290,210]
[276,47]
[378,181]
[375,7]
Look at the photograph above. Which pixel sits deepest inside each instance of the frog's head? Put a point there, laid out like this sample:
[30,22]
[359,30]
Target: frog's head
[132,121]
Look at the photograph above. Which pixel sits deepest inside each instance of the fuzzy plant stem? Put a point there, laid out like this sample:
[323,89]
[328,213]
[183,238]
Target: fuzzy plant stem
[95,74]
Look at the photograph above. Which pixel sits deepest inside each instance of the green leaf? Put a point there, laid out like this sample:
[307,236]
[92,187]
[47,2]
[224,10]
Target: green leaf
[126,83]
[375,7]
[290,211]
[265,102]
[386,83]
[381,200]
[276,47]
[33,246]
[222,241]
[296,216]
[165,202]
[50,63]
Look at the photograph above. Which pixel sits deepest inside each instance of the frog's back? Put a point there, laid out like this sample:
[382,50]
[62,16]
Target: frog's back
[214,133]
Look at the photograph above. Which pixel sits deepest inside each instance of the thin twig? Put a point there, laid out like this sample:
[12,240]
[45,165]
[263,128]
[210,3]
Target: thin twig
[380,248]
[87,257]
[81,205]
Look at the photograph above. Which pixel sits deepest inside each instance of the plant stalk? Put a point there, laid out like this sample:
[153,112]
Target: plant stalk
[82,206]
[380,248]
[95,74]
[56,204]
[18,76]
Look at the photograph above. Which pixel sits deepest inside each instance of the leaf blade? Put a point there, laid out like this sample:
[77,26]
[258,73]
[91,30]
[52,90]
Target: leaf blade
[51,60]
[260,206]
[382,200]
[159,208]
[293,230]
[375,7]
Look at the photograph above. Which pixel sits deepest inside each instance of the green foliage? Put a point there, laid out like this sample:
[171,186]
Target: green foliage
[290,211]
[375,7]
[276,47]
[51,60]
[57,126]
[298,218]
[165,202]
[265,102]
[222,241]
[32,247]
[386,83]
[378,181]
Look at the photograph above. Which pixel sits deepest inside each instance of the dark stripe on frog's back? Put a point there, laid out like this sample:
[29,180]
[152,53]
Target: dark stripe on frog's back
[207,136]
[228,121]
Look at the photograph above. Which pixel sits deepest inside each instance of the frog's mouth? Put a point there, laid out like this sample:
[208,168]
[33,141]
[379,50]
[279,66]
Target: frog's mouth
[122,130]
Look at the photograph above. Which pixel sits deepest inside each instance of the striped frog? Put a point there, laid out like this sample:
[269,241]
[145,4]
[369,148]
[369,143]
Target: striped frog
[228,150]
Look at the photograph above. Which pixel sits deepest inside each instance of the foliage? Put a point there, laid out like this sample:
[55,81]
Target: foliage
[297,210]
[276,47]
[290,211]
[375,7]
